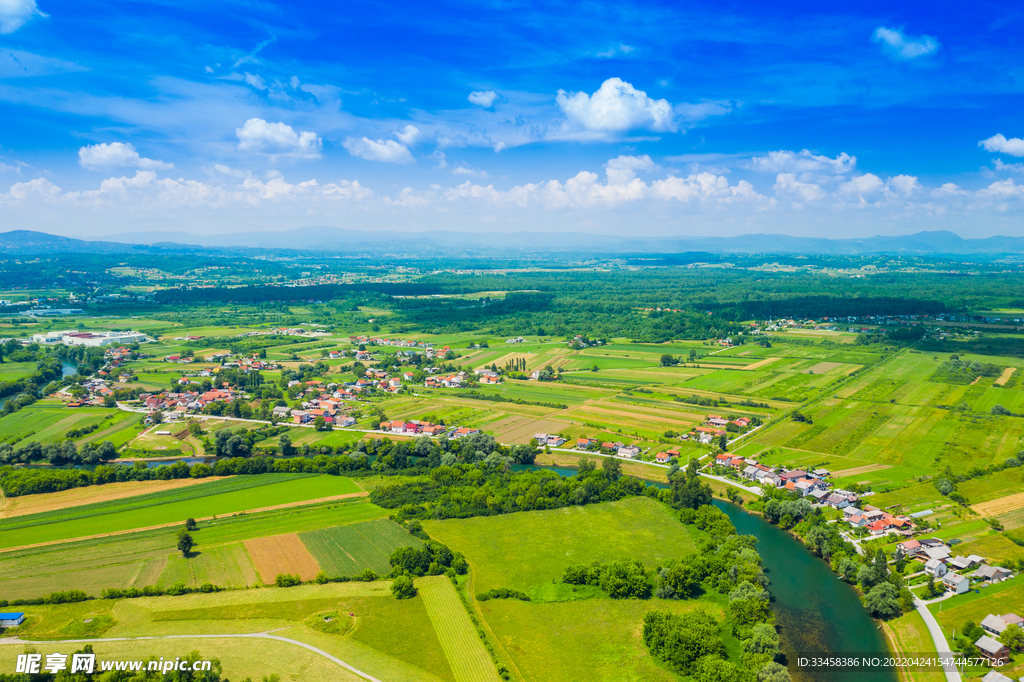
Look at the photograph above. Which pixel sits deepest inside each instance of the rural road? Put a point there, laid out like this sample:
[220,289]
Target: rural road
[254,635]
[952,674]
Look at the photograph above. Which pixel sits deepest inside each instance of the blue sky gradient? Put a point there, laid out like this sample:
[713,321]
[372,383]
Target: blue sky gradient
[650,118]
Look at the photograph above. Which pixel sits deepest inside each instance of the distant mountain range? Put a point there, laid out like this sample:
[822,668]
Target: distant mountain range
[329,240]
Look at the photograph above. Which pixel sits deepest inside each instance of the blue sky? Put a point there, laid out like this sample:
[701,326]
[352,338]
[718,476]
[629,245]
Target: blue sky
[635,118]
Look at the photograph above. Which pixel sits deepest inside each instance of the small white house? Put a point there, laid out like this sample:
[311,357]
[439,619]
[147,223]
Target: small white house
[935,567]
[956,583]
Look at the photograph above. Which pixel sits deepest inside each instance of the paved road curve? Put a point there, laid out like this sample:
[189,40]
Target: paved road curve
[255,635]
[952,674]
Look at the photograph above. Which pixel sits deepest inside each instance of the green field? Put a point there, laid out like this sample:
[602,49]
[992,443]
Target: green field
[48,421]
[225,566]
[349,550]
[280,489]
[140,558]
[368,640]
[584,639]
[466,654]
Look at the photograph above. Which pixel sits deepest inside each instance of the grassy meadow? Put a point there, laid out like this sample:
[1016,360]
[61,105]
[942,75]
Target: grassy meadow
[558,634]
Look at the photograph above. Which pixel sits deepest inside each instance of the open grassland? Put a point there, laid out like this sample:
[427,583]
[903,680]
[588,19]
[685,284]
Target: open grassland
[387,638]
[632,528]
[281,554]
[138,559]
[48,421]
[10,371]
[239,658]
[586,639]
[464,650]
[225,566]
[76,497]
[289,488]
[349,550]
[908,637]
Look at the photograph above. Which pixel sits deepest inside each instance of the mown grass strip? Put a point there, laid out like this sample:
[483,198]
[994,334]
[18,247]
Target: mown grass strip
[227,485]
[466,654]
[284,492]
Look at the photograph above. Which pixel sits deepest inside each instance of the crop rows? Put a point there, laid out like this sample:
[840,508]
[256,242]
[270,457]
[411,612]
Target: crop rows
[349,550]
[227,485]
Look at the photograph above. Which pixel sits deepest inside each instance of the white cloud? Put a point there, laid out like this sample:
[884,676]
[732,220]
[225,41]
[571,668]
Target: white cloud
[40,187]
[616,50]
[442,160]
[706,109]
[1008,167]
[466,170]
[255,81]
[898,45]
[802,162]
[387,151]
[863,187]
[409,135]
[233,172]
[1002,190]
[622,169]
[483,98]
[117,155]
[998,143]
[786,184]
[949,189]
[277,139]
[616,107]
[903,184]
[16,13]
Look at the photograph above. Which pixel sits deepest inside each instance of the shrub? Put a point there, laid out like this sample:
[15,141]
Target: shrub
[287,580]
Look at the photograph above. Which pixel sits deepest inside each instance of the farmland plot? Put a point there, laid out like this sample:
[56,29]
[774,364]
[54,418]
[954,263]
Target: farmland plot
[349,550]
[281,554]
[225,566]
[462,647]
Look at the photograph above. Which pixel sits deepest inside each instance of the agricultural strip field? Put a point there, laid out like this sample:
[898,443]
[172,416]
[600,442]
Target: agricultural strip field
[201,501]
[281,554]
[76,497]
[225,566]
[48,421]
[466,654]
[137,559]
[349,550]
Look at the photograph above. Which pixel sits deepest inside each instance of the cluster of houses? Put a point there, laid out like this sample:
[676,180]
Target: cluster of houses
[487,376]
[95,391]
[714,426]
[810,484]
[952,571]
[400,343]
[186,401]
[551,440]
[617,448]
[877,521]
[447,381]
[417,428]
[990,647]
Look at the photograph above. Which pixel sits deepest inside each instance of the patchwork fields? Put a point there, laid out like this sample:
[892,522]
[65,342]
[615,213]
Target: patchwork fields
[234,494]
[348,550]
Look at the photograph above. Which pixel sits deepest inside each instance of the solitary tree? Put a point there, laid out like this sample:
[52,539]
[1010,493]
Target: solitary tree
[402,587]
[1013,637]
[185,543]
[190,524]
